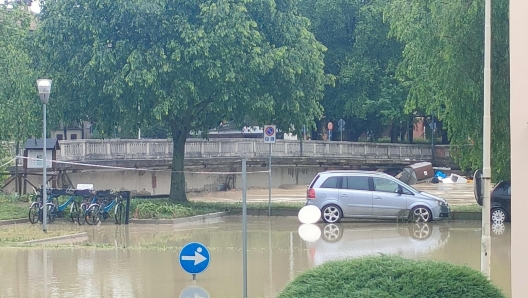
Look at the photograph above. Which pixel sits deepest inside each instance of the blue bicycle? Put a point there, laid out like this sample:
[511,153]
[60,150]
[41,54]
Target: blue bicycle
[99,210]
[58,209]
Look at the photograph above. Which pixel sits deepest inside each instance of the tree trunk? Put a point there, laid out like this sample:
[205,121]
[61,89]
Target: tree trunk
[410,128]
[445,137]
[394,133]
[179,131]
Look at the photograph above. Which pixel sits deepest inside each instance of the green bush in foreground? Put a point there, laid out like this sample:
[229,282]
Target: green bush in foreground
[394,277]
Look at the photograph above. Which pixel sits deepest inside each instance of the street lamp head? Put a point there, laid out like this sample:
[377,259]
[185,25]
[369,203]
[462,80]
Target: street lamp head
[44,89]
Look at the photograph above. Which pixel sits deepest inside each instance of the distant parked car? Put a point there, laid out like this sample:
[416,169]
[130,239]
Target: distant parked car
[367,194]
[501,202]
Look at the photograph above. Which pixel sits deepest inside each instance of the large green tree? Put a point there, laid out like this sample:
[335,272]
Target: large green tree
[19,104]
[444,62]
[186,63]
[363,58]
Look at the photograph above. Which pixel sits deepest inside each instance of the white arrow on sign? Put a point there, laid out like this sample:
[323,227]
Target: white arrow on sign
[197,258]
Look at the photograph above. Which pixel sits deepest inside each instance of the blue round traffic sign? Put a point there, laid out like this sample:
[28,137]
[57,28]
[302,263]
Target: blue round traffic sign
[270,131]
[194,258]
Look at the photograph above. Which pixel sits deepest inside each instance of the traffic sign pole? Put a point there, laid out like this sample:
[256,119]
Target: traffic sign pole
[270,135]
[269,182]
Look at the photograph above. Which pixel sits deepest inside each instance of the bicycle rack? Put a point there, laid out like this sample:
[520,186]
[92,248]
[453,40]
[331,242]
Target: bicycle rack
[56,192]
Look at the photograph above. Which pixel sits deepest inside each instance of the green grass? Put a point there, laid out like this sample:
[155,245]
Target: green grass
[12,207]
[166,209]
[466,208]
[12,235]
[390,277]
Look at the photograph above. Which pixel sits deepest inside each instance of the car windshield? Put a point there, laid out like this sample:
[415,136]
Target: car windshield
[412,188]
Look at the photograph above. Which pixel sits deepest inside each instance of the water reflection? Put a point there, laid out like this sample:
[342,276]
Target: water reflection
[363,239]
[142,260]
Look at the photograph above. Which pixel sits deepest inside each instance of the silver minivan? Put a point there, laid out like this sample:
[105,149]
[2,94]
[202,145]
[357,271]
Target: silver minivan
[366,194]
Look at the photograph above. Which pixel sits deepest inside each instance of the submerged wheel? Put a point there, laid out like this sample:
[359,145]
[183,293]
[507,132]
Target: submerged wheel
[80,214]
[74,211]
[119,214]
[34,213]
[92,215]
[420,214]
[498,215]
[332,214]
[52,212]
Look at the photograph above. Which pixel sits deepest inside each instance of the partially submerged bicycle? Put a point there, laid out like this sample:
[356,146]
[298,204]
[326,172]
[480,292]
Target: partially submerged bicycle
[94,206]
[100,209]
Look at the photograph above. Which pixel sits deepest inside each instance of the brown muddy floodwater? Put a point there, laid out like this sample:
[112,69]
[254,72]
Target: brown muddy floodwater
[143,260]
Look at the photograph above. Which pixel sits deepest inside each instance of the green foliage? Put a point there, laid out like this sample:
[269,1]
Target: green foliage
[443,64]
[187,64]
[163,210]
[13,207]
[367,94]
[390,277]
[19,104]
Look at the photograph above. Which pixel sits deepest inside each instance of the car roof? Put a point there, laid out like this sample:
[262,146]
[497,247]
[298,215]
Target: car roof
[355,172]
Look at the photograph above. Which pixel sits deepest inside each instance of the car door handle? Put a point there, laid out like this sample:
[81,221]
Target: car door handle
[377,198]
[344,195]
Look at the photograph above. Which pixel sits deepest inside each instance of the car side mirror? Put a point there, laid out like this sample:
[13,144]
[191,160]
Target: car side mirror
[400,190]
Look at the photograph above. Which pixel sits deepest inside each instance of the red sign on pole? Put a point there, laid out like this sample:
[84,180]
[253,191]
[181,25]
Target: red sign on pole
[330,126]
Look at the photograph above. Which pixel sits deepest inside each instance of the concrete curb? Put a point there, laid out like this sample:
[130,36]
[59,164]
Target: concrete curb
[13,221]
[60,239]
[183,220]
[238,211]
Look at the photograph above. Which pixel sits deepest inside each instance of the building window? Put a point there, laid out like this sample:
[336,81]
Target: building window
[59,136]
[73,136]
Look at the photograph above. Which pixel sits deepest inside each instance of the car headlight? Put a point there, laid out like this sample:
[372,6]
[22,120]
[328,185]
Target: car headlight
[440,202]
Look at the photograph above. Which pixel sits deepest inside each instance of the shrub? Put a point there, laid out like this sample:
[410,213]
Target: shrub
[388,276]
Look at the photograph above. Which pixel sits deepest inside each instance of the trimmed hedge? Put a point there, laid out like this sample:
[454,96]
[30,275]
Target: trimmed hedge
[390,277]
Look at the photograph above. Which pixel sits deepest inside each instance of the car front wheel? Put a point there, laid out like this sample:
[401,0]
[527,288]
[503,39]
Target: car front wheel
[420,214]
[498,215]
[332,214]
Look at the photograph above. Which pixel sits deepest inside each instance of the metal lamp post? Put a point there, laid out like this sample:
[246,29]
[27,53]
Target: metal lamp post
[486,148]
[44,89]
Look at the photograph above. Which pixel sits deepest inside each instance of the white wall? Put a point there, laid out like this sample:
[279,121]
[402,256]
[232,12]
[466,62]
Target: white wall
[519,144]
[196,180]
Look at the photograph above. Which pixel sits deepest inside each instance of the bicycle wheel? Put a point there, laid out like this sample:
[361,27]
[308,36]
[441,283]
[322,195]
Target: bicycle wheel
[52,212]
[80,214]
[120,213]
[74,211]
[92,215]
[34,211]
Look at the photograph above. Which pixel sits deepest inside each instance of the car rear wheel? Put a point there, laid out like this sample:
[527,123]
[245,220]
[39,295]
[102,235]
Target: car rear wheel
[420,214]
[332,214]
[498,215]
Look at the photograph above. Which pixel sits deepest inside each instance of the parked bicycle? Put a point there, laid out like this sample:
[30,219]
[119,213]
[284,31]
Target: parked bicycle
[58,209]
[99,210]
[120,211]
[89,198]
[36,208]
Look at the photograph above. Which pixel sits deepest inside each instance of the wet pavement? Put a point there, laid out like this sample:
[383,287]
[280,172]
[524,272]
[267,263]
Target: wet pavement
[143,260]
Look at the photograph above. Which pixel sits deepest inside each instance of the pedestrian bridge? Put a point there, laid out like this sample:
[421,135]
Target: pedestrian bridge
[221,151]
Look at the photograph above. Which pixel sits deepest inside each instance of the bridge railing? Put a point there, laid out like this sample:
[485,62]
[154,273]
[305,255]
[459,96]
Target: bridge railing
[91,149]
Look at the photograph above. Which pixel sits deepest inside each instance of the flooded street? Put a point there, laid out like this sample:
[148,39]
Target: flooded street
[143,260]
